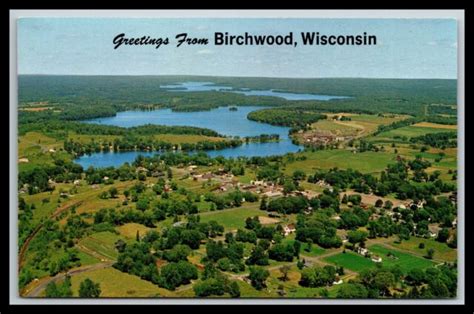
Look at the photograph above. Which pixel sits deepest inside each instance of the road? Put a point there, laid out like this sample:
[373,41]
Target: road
[57,212]
[35,291]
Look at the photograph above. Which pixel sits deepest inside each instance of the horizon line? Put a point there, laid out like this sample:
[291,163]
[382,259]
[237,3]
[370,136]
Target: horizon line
[265,77]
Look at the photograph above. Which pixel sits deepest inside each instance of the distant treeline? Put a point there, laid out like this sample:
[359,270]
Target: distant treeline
[439,140]
[262,138]
[133,143]
[55,126]
[116,93]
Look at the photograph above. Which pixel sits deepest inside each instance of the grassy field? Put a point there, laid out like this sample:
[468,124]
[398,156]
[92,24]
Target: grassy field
[442,250]
[129,230]
[350,260]
[369,123]
[101,243]
[366,162]
[334,128]
[406,261]
[116,284]
[233,218]
[411,131]
[87,259]
[436,125]
[34,142]
[35,147]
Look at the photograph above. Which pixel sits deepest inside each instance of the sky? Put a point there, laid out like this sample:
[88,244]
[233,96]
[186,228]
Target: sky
[406,48]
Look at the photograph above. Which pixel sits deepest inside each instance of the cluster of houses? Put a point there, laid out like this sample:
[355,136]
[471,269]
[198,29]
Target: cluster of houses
[323,139]
[365,252]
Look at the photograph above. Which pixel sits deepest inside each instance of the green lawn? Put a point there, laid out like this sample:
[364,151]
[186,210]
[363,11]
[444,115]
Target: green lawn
[87,259]
[350,260]
[103,243]
[233,218]
[406,261]
[366,162]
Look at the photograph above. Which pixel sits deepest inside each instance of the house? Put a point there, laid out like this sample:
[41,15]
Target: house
[197,176]
[220,171]
[77,182]
[257,182]
[51,150]
[289,229]
[338,281]
[376,259]
[141,169]
[105,178]
[362,251]
[273,193]
[23,160]
[192,168]
[24,189]
[433,230]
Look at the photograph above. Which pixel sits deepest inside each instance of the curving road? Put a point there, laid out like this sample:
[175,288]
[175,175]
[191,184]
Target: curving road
[35,291]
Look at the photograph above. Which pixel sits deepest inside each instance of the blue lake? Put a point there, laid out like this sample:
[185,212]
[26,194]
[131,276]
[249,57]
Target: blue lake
[221,120]
[209,86]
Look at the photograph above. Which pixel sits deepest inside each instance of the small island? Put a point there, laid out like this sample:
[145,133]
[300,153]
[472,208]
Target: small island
[233,108]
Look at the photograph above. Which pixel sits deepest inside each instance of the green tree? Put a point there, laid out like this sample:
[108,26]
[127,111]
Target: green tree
[89,289]
[352,291]
[383,280]
[113,192]
[62,290]
[285,269]
[443,235]
[234,289]
[357,236]
[430,253]
[258,276]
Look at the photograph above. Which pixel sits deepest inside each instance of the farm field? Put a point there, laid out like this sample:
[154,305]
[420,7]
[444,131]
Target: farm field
[412,131]
[366,162]
[116,284]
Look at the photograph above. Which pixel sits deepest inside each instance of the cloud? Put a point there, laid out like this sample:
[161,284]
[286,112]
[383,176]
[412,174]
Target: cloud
[205,52]
[454,45]
[432,43]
